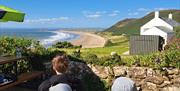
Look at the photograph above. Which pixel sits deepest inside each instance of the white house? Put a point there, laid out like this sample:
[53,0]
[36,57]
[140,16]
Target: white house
[160,26]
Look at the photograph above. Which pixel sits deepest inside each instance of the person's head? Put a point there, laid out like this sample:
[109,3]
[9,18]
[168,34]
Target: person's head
[60,63]
[123,84]
[60,87]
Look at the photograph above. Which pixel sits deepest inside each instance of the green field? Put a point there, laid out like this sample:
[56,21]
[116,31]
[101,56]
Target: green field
[118,44]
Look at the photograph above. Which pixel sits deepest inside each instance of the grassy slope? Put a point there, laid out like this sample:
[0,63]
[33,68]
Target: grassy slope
[118,44]
[133,26]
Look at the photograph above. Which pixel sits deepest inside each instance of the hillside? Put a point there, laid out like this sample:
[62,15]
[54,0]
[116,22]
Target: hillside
[132,26]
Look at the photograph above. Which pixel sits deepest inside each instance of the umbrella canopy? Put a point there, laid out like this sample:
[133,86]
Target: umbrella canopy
[9,14]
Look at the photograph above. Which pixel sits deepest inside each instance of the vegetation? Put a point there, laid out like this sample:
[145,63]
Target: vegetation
[65,44]
[168,58]
[177,30]
[37,53]
[118,44]
[132,26]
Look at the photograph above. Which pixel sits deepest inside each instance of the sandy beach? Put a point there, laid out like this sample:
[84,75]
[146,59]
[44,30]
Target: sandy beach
[87,39]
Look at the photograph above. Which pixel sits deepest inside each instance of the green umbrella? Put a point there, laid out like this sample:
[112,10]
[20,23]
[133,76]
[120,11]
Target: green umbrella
[9,14]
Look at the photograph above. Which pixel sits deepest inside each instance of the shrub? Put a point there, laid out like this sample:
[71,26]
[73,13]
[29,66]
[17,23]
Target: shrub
[91,58]
[77,53]
[31,48]
[8,45]
[168,58]
[64,44]
[103,61]
[177,30]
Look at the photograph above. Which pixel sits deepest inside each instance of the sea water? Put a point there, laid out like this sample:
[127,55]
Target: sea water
[47,37]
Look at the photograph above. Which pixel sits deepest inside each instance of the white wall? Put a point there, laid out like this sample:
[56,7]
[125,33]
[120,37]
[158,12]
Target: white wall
[155,22]
[156,31]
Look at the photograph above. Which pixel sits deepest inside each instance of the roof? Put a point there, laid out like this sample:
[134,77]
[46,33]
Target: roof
[167,30]
[171,22]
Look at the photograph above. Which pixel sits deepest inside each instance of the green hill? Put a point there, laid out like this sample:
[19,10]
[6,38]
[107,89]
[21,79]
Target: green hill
[132,26]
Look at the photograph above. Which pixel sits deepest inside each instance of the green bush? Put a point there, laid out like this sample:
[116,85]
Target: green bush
[64,44]
[103,61]
[36,53]
[170,57]
[177,30]
[8,45]
[91,58]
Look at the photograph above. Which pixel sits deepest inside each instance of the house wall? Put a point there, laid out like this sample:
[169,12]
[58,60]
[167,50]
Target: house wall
[156,31]
[155,22]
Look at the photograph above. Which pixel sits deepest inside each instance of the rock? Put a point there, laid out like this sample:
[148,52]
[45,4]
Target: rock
[100,71]
[172,71]
[138,88]
[138,82]
[171,88]
[176,81]
[156,80]
[150,72]
[145,78]
[137,72]
[110,71]
[113,53]
[119,71]
[149,87]
[165,78]
[165,84]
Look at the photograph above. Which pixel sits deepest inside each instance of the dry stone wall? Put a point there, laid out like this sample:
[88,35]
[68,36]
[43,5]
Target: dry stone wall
[146,78]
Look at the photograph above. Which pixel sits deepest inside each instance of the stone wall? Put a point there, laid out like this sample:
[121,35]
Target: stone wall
[146,78]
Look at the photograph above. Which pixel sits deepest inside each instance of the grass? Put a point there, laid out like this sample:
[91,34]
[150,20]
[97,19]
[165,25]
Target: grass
[102,51]
[118,44]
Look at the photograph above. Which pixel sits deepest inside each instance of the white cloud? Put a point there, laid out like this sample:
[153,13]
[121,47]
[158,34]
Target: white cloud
[114,13]
[47,20]
[161,8]
[133,14]
[94,15]
[143,9]
[98,14]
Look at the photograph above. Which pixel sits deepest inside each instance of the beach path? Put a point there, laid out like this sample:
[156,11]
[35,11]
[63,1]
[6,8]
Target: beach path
[87,39]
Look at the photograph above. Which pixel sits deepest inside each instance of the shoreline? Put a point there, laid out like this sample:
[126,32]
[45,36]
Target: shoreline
[87,39]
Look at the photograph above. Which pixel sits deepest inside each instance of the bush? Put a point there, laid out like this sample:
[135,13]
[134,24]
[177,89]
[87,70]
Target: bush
[8,45]
[31,48]
[168,58]
[64,44]
[177,31]
[91,58]
[103,61]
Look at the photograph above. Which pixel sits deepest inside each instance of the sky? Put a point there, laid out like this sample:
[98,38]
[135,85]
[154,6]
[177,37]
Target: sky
[82,13]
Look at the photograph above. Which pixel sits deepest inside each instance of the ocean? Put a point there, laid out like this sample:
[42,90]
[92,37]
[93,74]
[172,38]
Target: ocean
[47,37]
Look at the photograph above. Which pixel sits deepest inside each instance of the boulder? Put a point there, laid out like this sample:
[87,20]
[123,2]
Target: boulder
[137,72]
[173,71]
[120,71]
[102,72]
[171,88]
[150,72]
[149,87]
[156,80]
[165,84]
[176,81]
